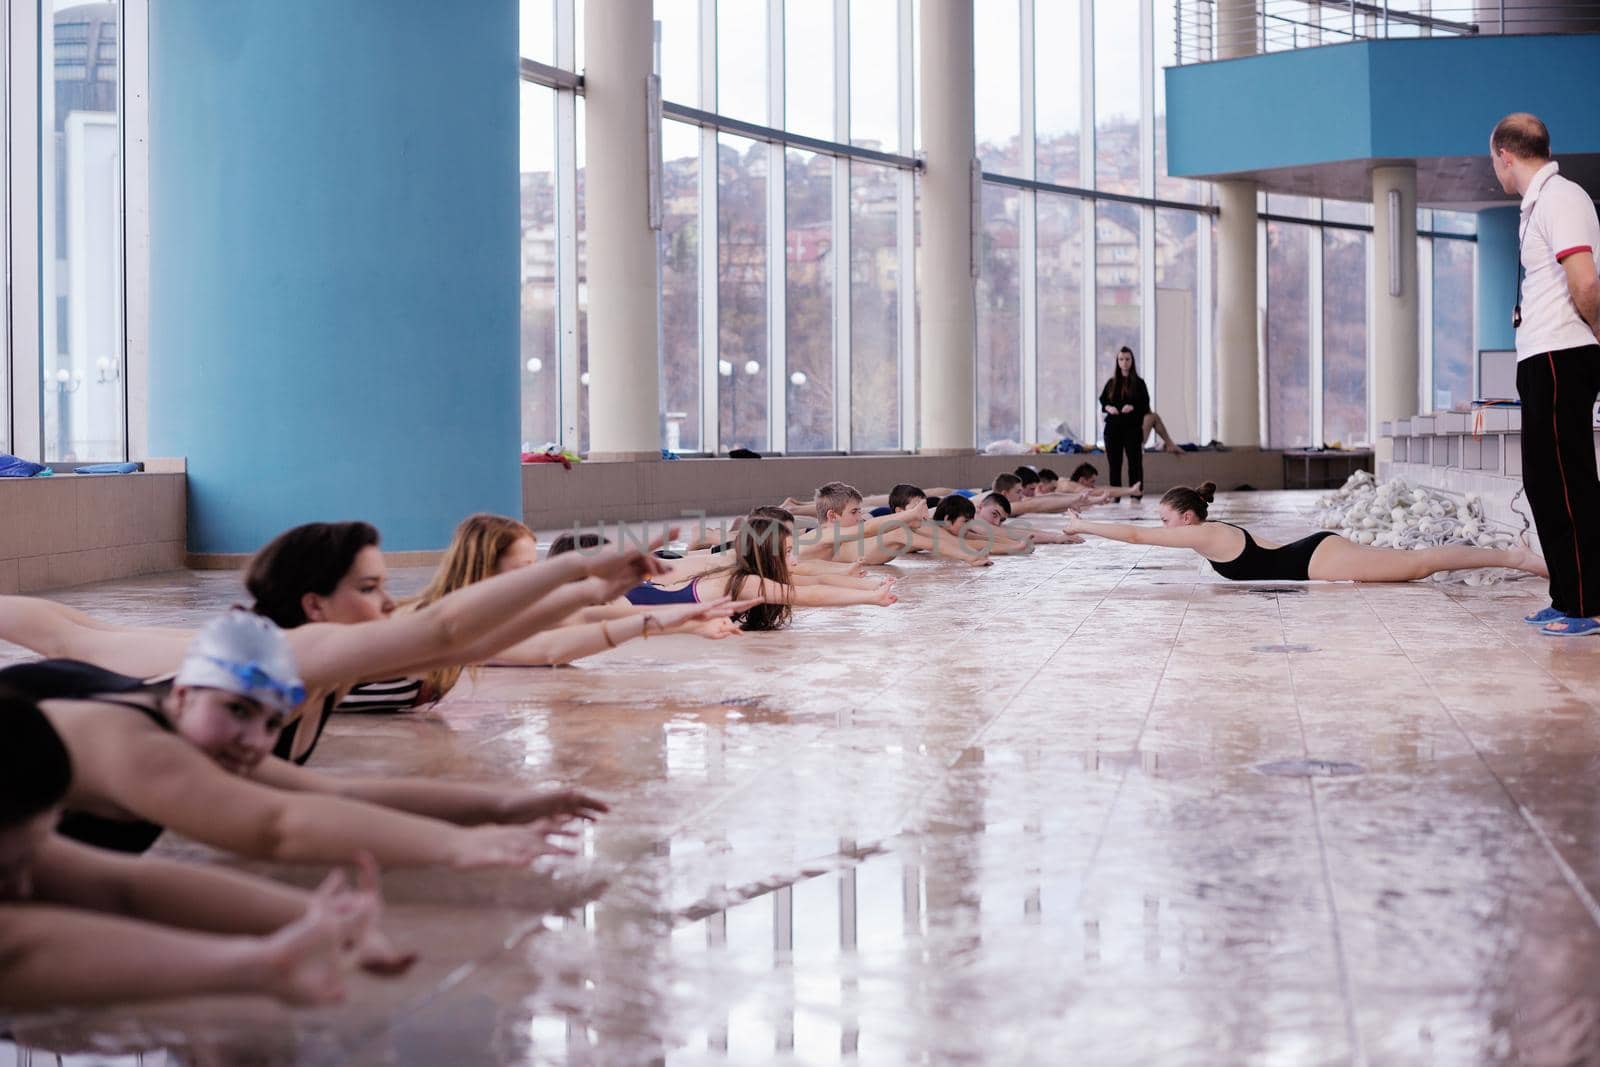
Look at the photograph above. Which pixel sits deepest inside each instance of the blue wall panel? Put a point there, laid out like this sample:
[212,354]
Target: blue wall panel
[1401,99]
[334,255]
[1497,276]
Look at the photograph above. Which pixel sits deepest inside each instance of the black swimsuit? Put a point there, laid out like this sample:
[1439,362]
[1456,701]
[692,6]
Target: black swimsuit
[1288,563]
[67,679]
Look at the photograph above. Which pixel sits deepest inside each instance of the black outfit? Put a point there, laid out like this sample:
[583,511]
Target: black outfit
[1558,391]
[1287,563]
[1125,431]
[67,679]
[285,745]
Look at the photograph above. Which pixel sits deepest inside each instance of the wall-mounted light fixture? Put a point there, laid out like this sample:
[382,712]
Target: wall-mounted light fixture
[1394,242]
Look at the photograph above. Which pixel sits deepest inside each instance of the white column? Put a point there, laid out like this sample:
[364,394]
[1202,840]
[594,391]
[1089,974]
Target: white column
[1238,356]
[1394,344]
[624,375]
[948,277]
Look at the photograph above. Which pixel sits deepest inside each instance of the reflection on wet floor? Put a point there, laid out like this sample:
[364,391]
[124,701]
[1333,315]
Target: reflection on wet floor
[1093,806]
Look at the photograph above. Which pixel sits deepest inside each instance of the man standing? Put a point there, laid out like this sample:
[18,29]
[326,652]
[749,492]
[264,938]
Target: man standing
[1558,368]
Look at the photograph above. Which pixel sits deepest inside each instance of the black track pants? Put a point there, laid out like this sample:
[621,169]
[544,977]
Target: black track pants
[1558,392]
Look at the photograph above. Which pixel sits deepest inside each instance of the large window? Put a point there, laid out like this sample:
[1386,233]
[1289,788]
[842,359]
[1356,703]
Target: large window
[1344,337]
[541,354]
[1288,339]
[1453,319]
[810,312]
[999,382]
[874,308]
[1117,276]
[1060,315]
[742,292]
[1099,262]
[787,225]
[81,236]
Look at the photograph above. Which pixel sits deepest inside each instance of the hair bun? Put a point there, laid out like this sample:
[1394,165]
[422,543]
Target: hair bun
[1208,490]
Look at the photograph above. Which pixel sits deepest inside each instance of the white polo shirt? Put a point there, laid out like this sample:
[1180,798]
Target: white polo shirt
[1558,220]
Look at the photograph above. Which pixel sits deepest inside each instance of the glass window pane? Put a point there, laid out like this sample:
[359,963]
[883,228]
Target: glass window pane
[80,272]
[1058,94]
[1060,265]
[1300,207]
[1177,349]
[541,357]
[997,85]
[680,286]
[742,292]
[1116,269]
[1452,321]
[1116,96]
[874,308]
[808,326]
[1462,222]
[808,69]
[1166,31]
[1356,211]
[680,50]
[1344,337]
[1288,335]
[875,74]
[742,60]
[999,387]
[536,25]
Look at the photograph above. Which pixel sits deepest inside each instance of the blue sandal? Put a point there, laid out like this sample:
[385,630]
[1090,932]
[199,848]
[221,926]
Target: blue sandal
[1575,627]
[1544,616]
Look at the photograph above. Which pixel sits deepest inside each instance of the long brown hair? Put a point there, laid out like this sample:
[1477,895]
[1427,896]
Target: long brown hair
[474,554]
[761,551]
[1122,385]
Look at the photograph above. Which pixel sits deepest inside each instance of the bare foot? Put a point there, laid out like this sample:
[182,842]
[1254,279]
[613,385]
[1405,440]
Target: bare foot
[1172,446]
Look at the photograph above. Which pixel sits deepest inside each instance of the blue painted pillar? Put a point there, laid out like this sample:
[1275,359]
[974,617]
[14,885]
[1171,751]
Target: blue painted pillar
[334,256]
[1497,276]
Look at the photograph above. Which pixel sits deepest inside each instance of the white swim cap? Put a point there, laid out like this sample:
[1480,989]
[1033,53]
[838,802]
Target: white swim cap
[245,654]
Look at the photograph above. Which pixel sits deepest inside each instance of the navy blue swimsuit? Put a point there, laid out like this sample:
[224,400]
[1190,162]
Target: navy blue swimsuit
[651,595]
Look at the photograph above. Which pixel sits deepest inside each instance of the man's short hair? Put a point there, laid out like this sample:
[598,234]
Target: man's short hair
[835,497]
[1026,475]
[904,495]
[1005,482]
[999,501]
[1521,134]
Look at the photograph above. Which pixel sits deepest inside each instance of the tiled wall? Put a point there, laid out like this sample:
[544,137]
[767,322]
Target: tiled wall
[553,497]
[77,528]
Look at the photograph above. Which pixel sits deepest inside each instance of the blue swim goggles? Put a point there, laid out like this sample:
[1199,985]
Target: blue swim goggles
[256,679]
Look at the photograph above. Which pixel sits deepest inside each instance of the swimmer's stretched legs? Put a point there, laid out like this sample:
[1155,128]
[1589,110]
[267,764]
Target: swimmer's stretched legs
[1338,560]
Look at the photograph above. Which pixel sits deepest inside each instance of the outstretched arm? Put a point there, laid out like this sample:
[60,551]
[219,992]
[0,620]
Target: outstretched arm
[451,630]
[59,632]
[461,803]
[567,643]
[1208,539]
[162,778]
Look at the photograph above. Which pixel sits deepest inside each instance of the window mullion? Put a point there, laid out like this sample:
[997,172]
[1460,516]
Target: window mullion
[906,236]
[26,342]
[777,243]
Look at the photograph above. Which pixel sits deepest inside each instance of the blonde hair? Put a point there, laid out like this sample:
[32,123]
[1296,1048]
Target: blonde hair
[474,554]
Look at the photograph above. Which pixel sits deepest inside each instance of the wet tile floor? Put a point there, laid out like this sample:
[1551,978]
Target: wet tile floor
[1023,817]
